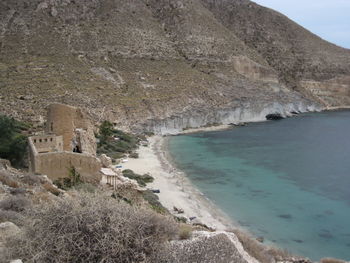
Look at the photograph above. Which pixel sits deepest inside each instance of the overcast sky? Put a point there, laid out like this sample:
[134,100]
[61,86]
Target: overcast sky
[330,19]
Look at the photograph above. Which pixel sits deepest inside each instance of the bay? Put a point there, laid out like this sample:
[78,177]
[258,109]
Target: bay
[288,180]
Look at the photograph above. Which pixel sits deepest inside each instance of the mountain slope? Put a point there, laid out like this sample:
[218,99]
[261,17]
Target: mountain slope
[162,65]
[295,53]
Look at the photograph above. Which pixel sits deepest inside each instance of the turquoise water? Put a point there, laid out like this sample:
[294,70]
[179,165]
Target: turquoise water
[288,180]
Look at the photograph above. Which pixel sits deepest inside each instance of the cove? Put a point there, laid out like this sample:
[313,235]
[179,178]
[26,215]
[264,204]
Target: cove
[287,180]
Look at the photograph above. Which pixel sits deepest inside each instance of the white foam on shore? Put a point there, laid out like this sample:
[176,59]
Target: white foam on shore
[175,188]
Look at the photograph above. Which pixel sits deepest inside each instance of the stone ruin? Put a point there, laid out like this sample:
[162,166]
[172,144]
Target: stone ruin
[68,141]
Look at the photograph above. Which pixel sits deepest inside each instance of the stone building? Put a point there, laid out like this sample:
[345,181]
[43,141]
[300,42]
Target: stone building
[68,141]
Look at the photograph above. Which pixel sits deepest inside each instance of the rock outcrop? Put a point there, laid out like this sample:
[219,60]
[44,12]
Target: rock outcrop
[7,230]
[208,247]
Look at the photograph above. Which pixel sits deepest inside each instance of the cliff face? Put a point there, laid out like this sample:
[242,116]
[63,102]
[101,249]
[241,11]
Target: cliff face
[164,65]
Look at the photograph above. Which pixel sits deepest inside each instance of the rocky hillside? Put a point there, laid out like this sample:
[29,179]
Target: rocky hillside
[164,65]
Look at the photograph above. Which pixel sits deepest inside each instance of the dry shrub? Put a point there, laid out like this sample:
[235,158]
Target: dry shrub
[42,196]
[185,232]
[31,179]
[18,191]
[262,253]
[90,228]
[331,260]
[7,180]
[14,217]
[15,203]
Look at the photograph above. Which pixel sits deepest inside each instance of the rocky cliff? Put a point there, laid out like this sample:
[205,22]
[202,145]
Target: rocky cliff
[164,65]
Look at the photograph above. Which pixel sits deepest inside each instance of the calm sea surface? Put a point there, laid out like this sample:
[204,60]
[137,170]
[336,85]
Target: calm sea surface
[288,180]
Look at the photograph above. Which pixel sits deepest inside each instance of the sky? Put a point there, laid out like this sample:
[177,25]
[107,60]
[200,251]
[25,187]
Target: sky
[329,19]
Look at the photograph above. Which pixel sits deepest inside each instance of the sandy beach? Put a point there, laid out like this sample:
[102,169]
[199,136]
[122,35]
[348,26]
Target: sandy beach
[175,189]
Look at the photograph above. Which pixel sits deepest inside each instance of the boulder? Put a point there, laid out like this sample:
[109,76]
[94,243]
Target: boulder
[208,247]
[105,160]
[8,229]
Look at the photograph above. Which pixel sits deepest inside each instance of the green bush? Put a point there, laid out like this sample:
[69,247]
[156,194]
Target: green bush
[153,200]
[73,180]
[142,180]
[13,143]
[115,143]
[134,155]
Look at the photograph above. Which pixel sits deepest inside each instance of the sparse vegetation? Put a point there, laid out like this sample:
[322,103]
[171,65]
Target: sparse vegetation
[153,200]
[134,155]
[73,180]
[91,228]
[142,180]
[13,143]
[86,187]
[259,251]
[181,219]
[115,143]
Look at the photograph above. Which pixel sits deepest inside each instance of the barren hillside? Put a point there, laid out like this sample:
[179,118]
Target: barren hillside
[164,65]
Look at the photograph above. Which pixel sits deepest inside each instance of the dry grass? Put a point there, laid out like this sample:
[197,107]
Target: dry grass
[7,180]
[90,228]
[41,197]
[262,253]
[331,260]
[185,232]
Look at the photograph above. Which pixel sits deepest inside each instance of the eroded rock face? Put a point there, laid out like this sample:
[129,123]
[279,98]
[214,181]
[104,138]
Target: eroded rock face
[332,92]
[209,247]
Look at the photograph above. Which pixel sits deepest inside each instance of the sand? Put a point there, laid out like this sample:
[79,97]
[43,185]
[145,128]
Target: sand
[175,189]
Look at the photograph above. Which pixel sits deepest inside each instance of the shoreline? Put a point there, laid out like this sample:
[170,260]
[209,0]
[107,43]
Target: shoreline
[176,190]
[220,127]
[337,108]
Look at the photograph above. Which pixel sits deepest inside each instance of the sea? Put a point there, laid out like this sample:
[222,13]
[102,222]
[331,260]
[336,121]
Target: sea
[287,181]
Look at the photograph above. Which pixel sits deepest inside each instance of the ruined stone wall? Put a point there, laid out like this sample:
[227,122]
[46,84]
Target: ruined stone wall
[60,120]
[56,165]
[47,143]
[32,153]
[65,120]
